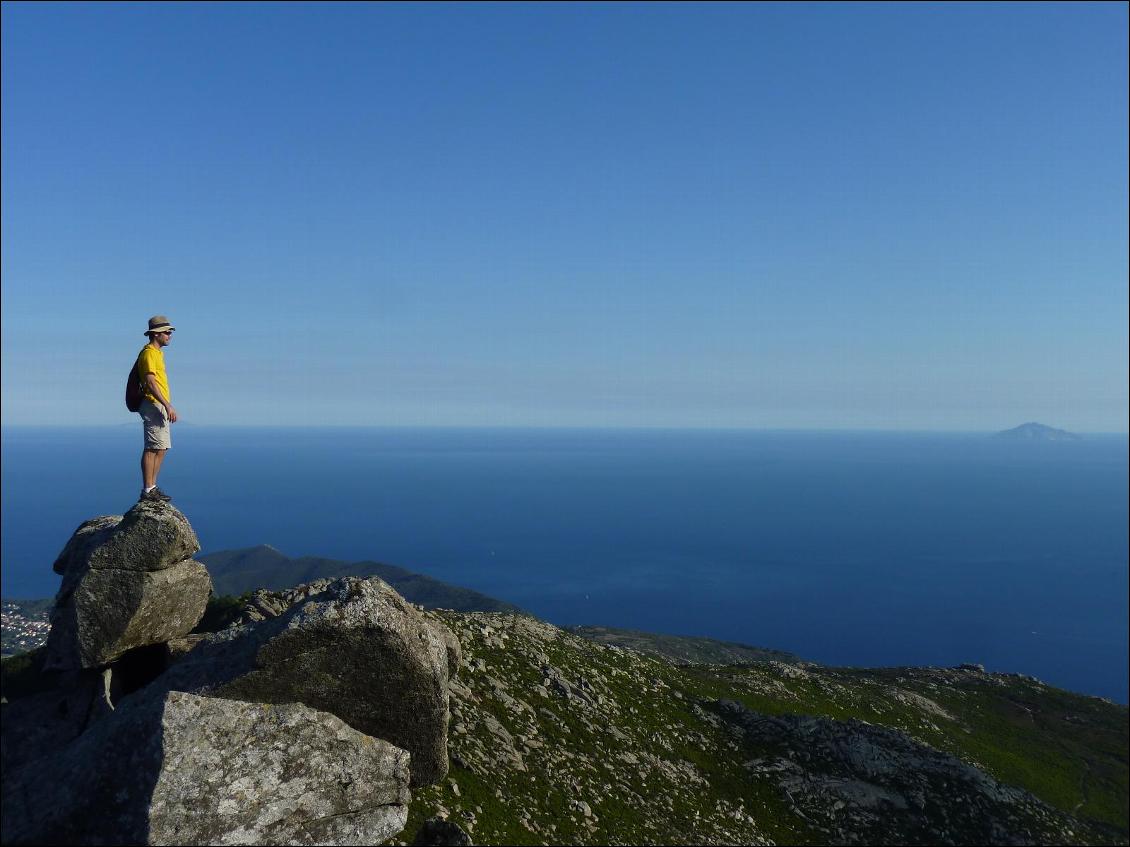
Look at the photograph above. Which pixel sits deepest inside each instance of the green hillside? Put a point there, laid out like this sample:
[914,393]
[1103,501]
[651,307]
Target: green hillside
[559,739]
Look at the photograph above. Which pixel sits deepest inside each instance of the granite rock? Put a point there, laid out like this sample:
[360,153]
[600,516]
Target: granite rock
[356,649]
[180,769]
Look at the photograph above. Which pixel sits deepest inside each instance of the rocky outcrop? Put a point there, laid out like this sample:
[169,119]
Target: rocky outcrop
[265,603]
[894,789]
[297,726]
[128,582]
[355,648]
[182,769]
[304,725]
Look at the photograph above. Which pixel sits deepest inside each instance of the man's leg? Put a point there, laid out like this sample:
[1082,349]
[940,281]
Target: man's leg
[157,441]
[150,463]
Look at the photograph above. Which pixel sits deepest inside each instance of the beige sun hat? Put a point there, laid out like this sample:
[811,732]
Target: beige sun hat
[159,323]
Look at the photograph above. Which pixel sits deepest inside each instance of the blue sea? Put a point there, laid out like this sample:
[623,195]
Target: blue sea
[845,548]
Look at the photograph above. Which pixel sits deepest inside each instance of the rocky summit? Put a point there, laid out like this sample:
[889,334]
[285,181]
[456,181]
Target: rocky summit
[336,712]
[306,726]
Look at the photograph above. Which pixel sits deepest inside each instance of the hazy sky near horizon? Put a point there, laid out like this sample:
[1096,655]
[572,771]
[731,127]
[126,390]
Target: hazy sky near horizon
[888,216]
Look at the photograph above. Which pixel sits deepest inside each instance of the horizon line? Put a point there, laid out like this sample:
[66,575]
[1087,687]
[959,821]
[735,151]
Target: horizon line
[560,427]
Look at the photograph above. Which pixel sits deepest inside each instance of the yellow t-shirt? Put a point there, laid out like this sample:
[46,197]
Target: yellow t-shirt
[152,361]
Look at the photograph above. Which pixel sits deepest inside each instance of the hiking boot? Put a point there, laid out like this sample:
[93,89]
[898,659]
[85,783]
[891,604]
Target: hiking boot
[156,495]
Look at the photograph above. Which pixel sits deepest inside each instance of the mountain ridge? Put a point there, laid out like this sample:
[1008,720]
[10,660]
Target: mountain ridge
[246,569]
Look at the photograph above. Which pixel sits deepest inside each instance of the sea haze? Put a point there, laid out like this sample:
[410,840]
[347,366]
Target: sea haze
[844,548]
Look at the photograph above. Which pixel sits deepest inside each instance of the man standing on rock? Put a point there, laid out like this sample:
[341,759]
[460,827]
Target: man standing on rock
[157,412]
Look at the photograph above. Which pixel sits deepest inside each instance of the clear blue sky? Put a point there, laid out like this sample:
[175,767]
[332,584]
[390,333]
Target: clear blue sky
[856,216]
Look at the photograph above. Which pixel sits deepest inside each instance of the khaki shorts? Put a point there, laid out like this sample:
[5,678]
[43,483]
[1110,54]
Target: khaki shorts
[158,433]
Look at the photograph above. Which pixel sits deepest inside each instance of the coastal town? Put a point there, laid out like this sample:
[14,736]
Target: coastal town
[24,625]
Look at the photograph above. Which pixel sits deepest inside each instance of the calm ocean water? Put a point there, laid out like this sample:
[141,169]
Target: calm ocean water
[845,548]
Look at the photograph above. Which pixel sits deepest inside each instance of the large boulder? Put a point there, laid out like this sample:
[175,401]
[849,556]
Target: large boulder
[175,768]
[127,582]
[356,649]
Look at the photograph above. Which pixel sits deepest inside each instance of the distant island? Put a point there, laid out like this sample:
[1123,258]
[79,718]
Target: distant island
[1037,432]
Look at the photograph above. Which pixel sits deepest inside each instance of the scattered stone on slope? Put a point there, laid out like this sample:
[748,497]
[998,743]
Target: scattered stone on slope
[548,719]
[266,603]
[921,702]
[638,759]
[355,649]
[127,582]
[182,769]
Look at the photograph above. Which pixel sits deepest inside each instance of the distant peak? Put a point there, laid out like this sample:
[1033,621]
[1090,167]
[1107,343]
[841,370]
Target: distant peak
[1033,431]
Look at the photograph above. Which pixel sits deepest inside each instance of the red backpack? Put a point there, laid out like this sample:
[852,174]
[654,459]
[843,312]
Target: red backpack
[134,394]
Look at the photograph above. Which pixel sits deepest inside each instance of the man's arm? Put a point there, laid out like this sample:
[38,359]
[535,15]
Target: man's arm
[151,382]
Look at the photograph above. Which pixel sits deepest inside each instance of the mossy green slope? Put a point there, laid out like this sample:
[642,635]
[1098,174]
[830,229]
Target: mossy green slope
[558,739]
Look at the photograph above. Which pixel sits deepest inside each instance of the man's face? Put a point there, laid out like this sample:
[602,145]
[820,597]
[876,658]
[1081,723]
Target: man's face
[163,338]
